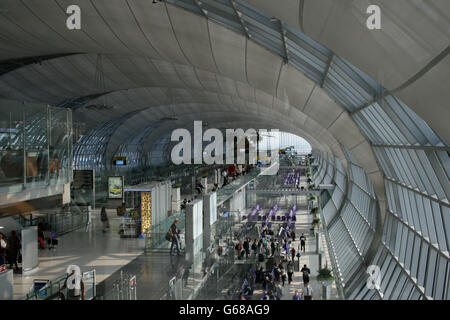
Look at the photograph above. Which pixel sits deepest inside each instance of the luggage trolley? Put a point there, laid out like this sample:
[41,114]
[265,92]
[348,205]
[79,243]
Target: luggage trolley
[51,239]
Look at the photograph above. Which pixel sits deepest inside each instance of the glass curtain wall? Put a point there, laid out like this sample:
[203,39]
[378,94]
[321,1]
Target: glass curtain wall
[35,145]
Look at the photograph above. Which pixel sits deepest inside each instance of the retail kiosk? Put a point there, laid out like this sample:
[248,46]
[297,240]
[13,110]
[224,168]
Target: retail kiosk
[147,205]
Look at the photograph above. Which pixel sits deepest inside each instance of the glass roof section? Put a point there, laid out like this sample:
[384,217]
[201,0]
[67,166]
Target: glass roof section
[358,93]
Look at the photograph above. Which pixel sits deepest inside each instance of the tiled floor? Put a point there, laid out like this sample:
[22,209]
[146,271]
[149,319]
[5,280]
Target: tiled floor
[310,258]
[109,254]
[91,249]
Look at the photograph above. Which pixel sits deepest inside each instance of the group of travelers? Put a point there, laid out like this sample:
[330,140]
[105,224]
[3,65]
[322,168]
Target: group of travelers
[272,280]
[279,253]
[233,172]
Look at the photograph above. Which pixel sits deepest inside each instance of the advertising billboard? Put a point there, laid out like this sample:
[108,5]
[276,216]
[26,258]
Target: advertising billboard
[115,187]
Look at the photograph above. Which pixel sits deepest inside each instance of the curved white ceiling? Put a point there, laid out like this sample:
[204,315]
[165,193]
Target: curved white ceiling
[160,45]
[409,56]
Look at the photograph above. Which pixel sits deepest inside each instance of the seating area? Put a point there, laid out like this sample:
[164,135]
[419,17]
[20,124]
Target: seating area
[292,179]
[287,219]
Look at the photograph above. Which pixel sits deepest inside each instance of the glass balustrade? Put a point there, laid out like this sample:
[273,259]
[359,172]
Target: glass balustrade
[35,145]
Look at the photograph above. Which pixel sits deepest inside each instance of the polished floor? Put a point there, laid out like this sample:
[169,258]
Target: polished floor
[89,249]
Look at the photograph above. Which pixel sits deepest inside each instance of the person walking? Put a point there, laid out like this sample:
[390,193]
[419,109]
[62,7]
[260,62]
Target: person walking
[296,296]
[238,249]
[293,235]
[175,236]
[254,247]
[290,271]
[246,247]
[306,272]
[12,250]
[293,253]
[73,293]
[307,292]
[302,242]
[283,275]
[276,273]
[272,247]
[104,219]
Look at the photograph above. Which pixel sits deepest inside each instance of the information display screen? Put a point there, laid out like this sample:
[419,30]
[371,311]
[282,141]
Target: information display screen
[115,187]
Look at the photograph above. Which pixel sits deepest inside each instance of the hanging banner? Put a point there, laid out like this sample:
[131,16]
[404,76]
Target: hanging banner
[115,187]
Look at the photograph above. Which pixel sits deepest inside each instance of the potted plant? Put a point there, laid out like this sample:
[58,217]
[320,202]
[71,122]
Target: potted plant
[316,222]
[314,210]
[326,277]
[177,185]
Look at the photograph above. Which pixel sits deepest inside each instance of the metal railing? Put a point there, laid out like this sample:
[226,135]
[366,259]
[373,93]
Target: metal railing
[56,290]
[124,288]
[72,218]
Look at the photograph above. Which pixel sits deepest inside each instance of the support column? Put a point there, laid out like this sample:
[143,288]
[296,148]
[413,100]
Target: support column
[194,229]
[176,199]
[318,243]
[209,217]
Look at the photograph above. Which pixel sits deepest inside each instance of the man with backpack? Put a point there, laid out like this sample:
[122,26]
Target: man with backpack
[72,292]
[305,271]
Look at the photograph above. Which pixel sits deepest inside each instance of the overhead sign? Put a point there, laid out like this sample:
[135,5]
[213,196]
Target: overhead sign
[120,161]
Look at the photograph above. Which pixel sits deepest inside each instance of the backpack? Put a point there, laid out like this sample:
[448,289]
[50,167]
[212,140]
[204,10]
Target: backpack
[168,236]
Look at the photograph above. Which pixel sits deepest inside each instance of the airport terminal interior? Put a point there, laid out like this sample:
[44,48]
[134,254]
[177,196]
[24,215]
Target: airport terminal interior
[123,123]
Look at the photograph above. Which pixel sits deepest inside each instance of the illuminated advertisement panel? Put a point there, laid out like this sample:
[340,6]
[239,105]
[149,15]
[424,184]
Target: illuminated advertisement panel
[115,187]
[146,211]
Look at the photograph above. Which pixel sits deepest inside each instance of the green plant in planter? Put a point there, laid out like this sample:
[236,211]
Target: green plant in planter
[314,210]
[325,275]
[177,185]
[316,222]
[311,186]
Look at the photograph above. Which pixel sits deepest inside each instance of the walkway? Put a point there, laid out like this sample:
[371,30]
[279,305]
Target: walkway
[104,252]
[310,258]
